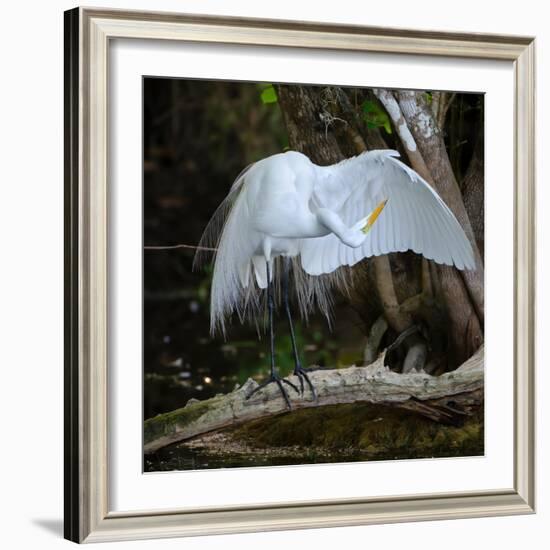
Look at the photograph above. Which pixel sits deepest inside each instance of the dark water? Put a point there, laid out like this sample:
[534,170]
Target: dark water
[186,458]
[183,361]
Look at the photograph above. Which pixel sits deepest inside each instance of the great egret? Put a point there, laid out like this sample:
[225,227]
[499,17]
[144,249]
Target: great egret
[317,219]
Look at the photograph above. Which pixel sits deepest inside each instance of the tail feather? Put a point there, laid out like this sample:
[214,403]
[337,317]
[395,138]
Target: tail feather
[228,232]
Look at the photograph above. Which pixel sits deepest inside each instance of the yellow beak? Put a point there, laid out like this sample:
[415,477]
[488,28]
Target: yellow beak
[373,216]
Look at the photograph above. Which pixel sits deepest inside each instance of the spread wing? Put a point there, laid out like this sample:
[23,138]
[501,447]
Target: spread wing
[414,218]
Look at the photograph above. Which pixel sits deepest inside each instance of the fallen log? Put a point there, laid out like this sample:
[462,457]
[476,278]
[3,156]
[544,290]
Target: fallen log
[437,397]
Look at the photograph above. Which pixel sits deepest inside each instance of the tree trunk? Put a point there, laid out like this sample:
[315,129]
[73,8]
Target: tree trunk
[427,155]
[309,127]
[473,192]
[430,143]
[416,158]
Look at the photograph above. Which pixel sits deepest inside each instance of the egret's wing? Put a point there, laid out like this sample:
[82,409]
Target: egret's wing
[414,218]
[336,183]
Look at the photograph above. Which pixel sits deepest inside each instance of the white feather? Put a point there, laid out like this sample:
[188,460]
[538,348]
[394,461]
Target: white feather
[285,205]
[414,218]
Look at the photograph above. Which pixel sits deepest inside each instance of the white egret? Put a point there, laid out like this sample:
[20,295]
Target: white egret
[319,218]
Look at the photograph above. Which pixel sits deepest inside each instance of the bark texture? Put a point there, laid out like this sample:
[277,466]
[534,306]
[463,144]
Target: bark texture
[473,193]
[309,124]
[431,145]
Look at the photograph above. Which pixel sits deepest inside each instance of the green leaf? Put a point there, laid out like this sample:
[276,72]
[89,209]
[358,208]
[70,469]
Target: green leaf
[269,95]
[375,116]
[369,106]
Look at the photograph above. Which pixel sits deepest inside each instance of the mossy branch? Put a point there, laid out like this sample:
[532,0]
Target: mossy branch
[374,383]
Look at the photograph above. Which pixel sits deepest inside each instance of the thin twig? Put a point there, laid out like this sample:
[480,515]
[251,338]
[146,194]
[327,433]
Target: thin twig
[174,246]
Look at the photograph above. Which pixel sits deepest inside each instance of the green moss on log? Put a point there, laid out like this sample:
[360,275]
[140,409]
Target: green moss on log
[167,423]
[378,431]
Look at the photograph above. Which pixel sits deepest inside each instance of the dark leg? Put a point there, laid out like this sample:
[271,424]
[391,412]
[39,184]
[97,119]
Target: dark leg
[274,376]
[299,371]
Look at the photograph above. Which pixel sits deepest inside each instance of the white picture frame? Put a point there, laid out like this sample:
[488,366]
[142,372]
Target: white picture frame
[88,515]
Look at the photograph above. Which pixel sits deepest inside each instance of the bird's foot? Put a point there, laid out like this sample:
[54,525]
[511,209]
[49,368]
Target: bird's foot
[302,374]
[275,378]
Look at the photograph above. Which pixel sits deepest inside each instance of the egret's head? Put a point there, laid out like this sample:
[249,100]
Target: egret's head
[373,216]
